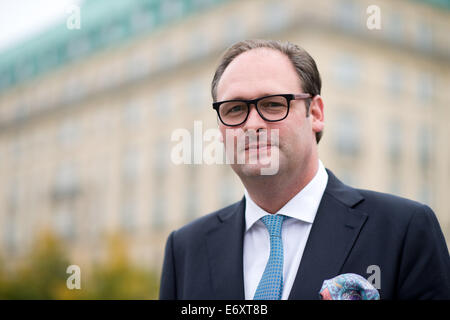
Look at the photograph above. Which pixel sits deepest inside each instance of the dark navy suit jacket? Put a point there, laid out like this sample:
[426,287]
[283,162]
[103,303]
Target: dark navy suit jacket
[353,229]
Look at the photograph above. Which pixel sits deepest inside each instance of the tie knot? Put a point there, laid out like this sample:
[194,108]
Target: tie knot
[273,223]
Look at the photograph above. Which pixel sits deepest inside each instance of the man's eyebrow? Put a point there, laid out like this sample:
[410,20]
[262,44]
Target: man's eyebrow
[235,98]
[242,98]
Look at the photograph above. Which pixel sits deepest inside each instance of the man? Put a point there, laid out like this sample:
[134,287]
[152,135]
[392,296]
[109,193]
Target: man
[301,225]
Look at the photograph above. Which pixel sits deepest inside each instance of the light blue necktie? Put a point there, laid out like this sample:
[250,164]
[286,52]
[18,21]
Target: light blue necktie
[270,286]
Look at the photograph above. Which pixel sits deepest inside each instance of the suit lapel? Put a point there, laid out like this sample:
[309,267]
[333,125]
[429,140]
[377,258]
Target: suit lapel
[225,252]
[333,233]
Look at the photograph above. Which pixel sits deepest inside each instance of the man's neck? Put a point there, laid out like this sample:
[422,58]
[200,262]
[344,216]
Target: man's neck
[271,193]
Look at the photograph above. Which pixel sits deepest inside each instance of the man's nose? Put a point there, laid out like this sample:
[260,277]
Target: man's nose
[254,120]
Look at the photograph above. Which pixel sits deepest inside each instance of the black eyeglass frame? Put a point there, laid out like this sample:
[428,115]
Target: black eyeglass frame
[289,97]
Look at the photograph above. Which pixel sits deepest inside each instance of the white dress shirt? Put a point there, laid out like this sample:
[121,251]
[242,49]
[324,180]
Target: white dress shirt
[302,209]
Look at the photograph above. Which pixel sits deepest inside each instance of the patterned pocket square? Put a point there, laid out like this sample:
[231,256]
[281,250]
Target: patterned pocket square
[348,286]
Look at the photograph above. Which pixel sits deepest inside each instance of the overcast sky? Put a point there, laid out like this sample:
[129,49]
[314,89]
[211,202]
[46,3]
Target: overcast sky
[20,19]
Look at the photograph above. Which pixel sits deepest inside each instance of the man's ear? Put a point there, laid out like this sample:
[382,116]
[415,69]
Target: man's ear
[316,112]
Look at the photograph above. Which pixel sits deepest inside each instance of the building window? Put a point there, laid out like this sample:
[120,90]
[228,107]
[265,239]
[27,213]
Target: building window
[112,31]
[73,90]
[131,165]
[43,98]
[347,71]
[166,56]
[199,4]
[77,47]
[10,233]
[11,220]
[161,158]
[48,59]
[347,14]
[394,81]
[192,199]
[192,205]
[66,184]
[424,36]
[276,16]
[425,87]
[395,184]
[425,194]
[142,20]
[133,113]
[128,215]
[100,121]
[108,76]
[171,9]
[234,29]
[64,222]
[394,27]
[17,148]
[96,214]
[164,104]
[348,176]
[424,147]
[21,112]
[394,141]
[197,96]
[199,44]
[69,133]
[138,67]
[348,133]
[5,79]
[24,69]
[159,205]
[227,187]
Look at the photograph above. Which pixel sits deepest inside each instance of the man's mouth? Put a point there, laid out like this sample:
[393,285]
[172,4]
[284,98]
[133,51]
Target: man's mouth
[258,146]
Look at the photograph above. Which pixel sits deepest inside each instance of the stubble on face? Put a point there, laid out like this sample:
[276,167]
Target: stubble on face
[257,73]
[253,153]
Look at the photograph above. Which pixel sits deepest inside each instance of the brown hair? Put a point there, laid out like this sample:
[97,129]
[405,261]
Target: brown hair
[303,63]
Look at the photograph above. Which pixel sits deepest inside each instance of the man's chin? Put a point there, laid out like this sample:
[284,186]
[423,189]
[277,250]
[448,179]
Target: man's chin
[255,170]
[257,163]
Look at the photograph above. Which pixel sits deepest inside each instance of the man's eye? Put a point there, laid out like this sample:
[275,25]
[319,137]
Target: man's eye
[235,109]
[273,105]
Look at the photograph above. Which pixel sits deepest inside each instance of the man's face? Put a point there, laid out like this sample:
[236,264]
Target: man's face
[261,72]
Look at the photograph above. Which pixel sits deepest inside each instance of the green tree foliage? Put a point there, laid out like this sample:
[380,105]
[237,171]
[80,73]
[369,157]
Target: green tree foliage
[44,276]
[41,273]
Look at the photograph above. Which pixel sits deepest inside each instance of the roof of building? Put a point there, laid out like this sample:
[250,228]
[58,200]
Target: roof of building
[103,23]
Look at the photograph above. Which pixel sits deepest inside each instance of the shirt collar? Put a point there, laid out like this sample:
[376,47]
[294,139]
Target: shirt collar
[303,206]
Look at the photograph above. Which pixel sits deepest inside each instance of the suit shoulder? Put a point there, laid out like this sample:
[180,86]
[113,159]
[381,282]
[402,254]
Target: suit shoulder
[392,206]
[389,198]
[203,223]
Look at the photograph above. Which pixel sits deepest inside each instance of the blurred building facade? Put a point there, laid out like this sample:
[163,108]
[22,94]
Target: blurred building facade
[86,116]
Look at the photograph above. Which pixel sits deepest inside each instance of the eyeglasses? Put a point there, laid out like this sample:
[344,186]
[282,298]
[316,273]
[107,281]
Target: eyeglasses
[271,108]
